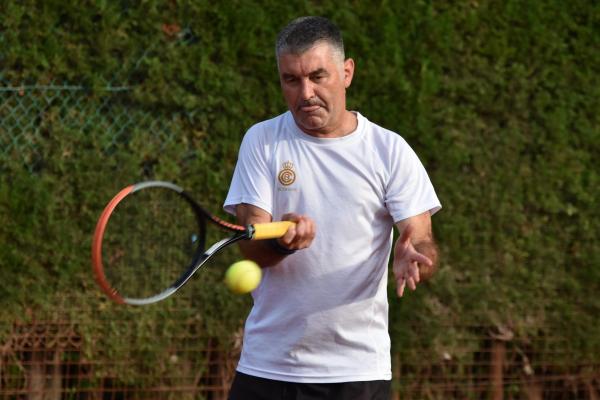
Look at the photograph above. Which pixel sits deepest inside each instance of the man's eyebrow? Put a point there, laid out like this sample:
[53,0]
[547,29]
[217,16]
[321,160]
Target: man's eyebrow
[320,71]
[316,72]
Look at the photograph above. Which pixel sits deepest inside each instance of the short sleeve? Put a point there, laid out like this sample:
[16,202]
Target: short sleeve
[409,190]
[252,181]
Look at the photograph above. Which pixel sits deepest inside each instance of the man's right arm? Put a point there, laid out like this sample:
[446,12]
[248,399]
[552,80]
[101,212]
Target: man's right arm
[266,253]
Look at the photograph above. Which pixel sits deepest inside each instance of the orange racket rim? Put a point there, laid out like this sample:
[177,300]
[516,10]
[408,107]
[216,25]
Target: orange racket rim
[97,245]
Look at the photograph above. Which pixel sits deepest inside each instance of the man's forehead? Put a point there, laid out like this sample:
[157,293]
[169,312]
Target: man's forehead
[319,57]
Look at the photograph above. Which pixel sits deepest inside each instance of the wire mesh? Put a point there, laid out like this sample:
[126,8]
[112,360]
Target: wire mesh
[46,359]
[28,114]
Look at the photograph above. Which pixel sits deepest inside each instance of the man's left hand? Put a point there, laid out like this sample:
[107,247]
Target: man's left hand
[406,262]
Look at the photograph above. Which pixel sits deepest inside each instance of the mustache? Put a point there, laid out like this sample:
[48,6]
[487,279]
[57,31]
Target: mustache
[315,101]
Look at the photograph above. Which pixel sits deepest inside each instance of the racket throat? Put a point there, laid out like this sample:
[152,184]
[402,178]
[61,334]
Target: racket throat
[219,245]
[249,234]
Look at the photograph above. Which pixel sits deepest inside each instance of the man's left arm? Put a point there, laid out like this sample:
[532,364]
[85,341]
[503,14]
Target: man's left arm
[415,252]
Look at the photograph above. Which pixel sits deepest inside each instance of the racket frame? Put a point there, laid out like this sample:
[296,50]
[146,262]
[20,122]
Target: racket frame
[200,257]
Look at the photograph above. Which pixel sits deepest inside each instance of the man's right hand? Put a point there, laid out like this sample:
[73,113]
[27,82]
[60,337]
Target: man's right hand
[297,237]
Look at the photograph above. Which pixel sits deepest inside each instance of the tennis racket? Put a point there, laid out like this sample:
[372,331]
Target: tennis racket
[151,238]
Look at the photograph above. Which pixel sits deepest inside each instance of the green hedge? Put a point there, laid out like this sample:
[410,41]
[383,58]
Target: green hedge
[499,99]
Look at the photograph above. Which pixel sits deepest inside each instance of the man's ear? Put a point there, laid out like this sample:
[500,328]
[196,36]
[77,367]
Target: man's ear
[348,72]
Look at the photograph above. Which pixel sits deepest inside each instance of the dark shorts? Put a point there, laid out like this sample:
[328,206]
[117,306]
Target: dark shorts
[246,387]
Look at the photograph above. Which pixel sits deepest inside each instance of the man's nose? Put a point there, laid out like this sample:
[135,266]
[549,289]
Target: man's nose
[308,90]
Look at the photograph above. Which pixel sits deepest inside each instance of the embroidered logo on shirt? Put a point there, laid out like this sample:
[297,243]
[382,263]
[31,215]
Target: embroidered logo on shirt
[286,175]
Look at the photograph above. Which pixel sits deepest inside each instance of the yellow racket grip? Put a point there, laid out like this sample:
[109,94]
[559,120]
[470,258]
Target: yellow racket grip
[271,230]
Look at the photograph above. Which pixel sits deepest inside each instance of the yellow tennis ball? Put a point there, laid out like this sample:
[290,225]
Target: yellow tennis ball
[243,276]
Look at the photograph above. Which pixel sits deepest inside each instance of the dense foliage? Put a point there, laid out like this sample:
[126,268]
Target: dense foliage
[499,99]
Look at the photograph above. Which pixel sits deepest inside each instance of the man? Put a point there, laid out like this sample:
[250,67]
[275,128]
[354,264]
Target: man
[319,325]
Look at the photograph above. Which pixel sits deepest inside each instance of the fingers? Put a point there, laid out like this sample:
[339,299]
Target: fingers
[403,282]
[301,235]
[421,259]
[400,285]
[415,275]
[409,276]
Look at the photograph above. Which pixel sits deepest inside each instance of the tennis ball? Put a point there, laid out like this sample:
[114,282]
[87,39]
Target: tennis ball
[243,276]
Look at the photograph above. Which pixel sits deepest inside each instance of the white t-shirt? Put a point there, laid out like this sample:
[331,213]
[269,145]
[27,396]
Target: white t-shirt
[321,315]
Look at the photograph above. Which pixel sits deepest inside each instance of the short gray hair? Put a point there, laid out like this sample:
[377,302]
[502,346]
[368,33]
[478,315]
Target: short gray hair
[304,33]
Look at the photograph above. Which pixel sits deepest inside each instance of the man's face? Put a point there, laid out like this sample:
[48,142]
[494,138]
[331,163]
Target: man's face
[314,86]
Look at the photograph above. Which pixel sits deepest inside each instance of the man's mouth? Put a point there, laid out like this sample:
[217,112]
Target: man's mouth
[309,108]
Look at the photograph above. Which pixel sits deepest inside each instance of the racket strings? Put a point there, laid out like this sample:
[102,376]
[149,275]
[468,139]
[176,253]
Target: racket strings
[150,240]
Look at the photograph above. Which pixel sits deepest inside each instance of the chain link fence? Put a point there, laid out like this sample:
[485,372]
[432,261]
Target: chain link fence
[28,112]
[47,360]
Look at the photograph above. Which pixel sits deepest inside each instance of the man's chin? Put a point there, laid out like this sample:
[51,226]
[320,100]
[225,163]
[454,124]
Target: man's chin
[311,124]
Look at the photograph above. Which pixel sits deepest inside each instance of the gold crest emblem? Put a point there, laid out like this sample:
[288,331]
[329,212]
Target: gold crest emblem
[287,176]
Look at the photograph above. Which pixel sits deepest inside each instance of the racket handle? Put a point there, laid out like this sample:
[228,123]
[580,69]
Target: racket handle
[271,230]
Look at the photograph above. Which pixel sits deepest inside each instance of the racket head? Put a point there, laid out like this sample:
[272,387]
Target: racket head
[148,241]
